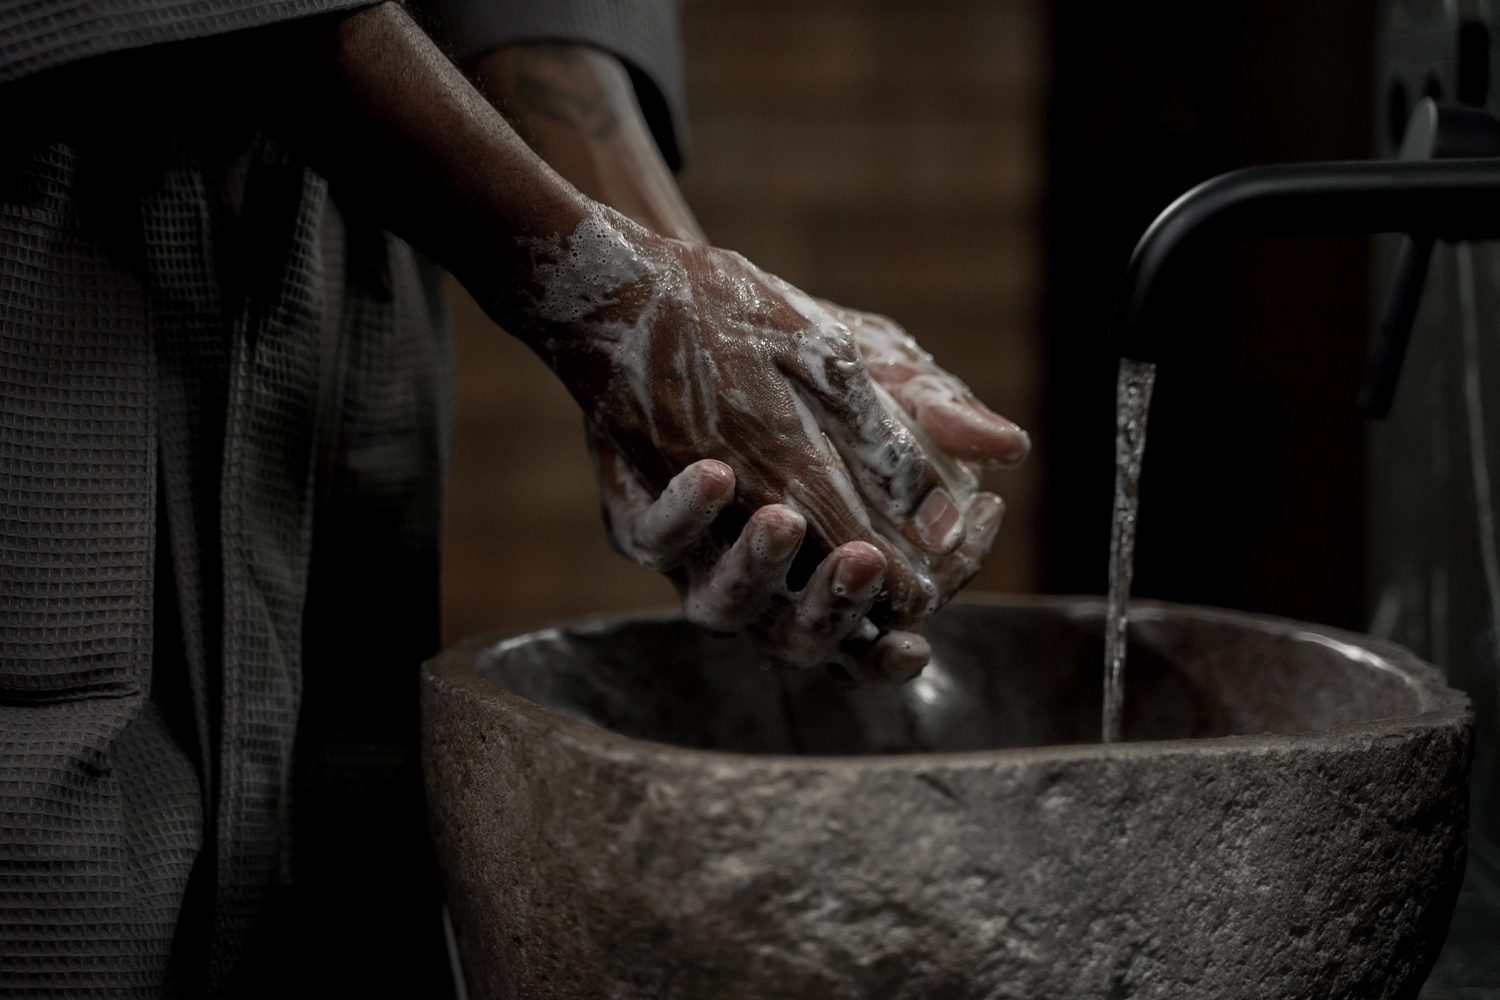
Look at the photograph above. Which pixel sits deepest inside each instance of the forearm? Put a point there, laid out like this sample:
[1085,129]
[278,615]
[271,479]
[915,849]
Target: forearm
[577,108]
[377,108]
[676,351]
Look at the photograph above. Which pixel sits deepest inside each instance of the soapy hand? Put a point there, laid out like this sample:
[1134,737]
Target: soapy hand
[681,352]
[958,425]
[714,509]
[729,587]
[706,378]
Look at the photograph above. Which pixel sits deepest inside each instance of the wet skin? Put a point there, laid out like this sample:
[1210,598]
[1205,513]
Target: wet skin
[576,106]
[686,356]
[696,353]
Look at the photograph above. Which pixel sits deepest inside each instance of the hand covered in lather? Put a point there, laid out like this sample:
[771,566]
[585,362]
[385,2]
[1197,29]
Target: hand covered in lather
[712,389]
[719,395]
[957,425]
[729,585]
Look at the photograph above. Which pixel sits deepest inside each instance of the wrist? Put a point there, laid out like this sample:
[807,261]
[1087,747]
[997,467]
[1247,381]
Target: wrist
[577,294]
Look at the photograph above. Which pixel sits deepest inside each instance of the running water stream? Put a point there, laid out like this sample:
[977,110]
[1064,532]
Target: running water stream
[1132,403]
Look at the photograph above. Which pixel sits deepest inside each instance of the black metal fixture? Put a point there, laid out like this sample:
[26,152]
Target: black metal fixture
[1451,199]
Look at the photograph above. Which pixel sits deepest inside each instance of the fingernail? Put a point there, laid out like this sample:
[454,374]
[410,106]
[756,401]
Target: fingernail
[903,658]
[939,524]
[715,480]
[895,659]
[986,512]
[778,538]
[854,575]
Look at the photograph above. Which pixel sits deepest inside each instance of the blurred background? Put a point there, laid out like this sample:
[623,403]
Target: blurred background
[980,172]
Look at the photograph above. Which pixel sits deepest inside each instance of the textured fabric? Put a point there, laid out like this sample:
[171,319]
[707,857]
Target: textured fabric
[76,552]
[149,336]
[223,408]
[371,615]
[265,532]
[37,35]
[644,33]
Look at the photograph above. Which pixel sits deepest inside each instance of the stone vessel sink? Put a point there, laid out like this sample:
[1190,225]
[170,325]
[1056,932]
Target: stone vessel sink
[630,809]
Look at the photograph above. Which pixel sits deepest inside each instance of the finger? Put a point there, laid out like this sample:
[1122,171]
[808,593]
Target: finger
[912,595]
[893,473]
[833,604]
[956,421]
[750,576]
[959,424]
[891,660]
[677,520]
[656,532]
[909,596]
[896,478]
[624,495]
[937,527]
[884,459]
[984,517]
[891,355]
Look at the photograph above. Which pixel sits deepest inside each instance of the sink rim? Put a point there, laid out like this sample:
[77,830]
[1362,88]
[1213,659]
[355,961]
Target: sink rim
[456,668]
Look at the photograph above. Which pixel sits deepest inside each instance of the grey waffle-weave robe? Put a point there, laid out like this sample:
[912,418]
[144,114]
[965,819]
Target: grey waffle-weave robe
[222,421]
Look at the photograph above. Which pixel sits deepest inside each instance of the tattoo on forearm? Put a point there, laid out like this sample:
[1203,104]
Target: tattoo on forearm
[556,82]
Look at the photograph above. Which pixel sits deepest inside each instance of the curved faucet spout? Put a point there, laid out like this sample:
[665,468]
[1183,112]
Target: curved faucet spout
[1449,199]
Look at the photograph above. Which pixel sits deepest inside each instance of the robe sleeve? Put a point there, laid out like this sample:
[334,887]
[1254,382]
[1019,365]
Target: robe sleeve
[643,33]
[37,35]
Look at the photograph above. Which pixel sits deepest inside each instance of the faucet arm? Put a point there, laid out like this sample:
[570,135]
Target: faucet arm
[1433,132]
[1449,199]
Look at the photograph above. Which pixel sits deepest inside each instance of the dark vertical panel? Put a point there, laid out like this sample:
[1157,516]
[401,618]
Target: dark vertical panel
[1251,490]
[1307,93]
[1141,111]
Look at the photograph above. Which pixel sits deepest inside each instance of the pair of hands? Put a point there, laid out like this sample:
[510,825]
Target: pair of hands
[800,471]
[738,435]
[736,421]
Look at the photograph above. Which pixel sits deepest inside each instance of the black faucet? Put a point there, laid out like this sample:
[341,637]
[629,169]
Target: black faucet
[1434,132]
[1430,198]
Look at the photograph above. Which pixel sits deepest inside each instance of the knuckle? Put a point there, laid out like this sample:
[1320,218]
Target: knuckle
[703,609]
[645,554]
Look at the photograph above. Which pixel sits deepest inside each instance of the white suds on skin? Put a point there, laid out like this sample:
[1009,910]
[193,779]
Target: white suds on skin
[583,280]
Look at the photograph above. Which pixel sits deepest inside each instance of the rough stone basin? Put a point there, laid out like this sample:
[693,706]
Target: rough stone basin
[630,809]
